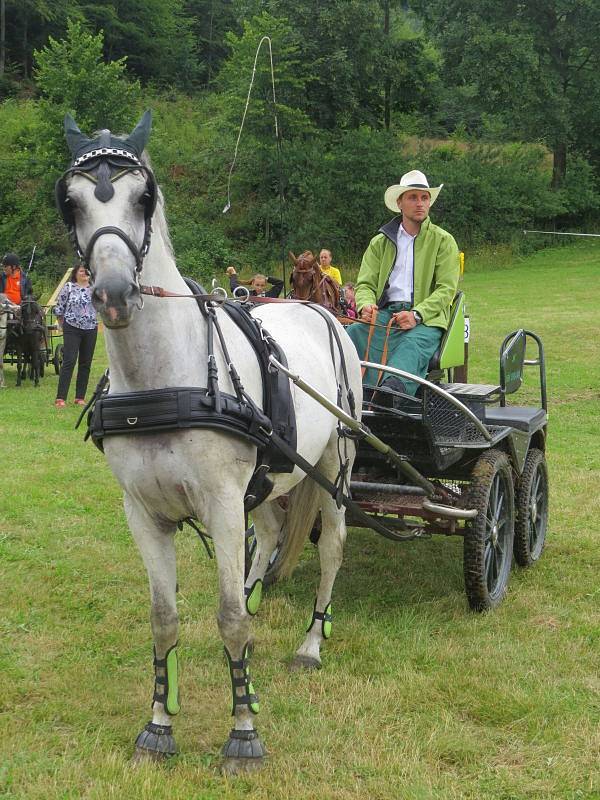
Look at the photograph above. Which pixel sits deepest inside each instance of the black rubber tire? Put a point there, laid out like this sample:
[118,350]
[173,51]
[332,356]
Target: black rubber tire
[488,540]
[531,506]
[57,359]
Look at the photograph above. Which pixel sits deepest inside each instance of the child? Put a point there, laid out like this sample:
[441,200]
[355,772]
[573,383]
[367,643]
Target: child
[258,284]
[347,301]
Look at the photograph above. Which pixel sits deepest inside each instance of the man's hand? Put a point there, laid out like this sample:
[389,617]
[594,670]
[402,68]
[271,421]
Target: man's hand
[405,320]
[231,271]
[366,312]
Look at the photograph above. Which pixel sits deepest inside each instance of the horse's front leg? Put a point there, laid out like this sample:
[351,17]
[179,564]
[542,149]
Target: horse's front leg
[157,548]
[244,749]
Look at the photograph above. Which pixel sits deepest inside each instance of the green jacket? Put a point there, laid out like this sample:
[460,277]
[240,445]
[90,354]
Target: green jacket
[435,273]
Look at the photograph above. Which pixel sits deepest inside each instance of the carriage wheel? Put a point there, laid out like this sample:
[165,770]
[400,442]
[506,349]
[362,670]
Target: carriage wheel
[531,504]
[57,359]
[488,541]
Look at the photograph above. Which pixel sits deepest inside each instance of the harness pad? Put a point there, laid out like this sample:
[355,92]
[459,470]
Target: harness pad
[155,410]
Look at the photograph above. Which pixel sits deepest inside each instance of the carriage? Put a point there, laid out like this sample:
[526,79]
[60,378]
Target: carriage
[458,459]
[51,349]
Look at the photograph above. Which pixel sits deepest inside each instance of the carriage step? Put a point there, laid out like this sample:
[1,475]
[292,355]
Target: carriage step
[474,391]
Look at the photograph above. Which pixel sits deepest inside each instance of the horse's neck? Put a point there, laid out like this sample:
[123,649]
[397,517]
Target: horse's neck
[165,342]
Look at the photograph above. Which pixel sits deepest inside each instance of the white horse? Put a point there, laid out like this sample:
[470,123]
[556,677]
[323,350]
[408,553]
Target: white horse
[200,473]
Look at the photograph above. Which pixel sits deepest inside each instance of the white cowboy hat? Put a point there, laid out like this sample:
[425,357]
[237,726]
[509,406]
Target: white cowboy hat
[411,180]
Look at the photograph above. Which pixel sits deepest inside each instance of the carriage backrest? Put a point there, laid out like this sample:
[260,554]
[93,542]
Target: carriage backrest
[512,360]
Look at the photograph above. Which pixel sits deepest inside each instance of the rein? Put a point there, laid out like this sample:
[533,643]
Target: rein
[159,291]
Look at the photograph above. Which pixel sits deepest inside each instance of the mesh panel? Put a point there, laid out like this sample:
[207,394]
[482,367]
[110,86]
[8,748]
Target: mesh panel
[448,424]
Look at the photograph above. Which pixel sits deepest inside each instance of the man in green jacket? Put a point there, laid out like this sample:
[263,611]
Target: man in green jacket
[406,283]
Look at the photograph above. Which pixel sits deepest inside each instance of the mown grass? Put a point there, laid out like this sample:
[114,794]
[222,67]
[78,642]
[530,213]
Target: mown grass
[417,698]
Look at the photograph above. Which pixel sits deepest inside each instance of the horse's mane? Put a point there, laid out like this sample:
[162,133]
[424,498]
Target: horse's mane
[159,220]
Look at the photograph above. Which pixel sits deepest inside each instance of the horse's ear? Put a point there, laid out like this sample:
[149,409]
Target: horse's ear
[292,256]
[138,138]
[76,141]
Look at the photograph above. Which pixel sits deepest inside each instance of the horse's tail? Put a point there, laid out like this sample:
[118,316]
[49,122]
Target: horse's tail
[301,514]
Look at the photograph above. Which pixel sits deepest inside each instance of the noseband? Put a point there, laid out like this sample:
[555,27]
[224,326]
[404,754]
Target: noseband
[103,167]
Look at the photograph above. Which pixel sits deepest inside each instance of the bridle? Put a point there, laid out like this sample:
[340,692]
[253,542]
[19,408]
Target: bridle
[312,274]
[103,166]
[31,321]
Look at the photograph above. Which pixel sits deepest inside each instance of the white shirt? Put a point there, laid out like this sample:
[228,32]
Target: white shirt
[401,276]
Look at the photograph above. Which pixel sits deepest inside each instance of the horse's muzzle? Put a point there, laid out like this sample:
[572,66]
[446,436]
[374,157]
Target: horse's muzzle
[115,300]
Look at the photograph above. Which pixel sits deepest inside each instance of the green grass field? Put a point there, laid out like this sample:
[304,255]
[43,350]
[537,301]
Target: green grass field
[417,698]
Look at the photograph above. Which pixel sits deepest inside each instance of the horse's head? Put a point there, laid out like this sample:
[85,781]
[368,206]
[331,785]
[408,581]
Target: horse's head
[305,276]
[107,198]
[32,316]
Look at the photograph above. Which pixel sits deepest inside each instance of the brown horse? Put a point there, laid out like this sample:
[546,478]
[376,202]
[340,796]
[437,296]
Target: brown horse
[310,283]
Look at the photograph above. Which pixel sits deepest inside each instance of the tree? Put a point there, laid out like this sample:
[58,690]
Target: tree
[155,36]
[534,61]
[211,20]
[72,75]
[28,23]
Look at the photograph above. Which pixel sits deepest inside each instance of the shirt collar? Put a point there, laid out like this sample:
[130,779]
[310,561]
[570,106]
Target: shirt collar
[403,232]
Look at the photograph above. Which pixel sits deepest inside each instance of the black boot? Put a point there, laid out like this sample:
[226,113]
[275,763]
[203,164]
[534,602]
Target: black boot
[387,396]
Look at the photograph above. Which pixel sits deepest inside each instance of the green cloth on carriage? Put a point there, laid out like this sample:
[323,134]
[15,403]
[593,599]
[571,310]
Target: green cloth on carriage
[409,350]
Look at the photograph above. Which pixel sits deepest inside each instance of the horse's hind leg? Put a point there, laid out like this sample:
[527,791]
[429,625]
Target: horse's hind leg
[331,549]
[157,548]
[268,521]
[243,750]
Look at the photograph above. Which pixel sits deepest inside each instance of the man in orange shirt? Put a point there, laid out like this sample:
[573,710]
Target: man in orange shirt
[14,283]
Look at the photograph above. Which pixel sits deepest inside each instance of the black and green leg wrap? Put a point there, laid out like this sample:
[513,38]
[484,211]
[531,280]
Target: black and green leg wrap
[325,618]
[249,697]
[253,595]
[166,685]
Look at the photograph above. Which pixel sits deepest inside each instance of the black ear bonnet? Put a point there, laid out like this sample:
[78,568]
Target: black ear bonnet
[103,160]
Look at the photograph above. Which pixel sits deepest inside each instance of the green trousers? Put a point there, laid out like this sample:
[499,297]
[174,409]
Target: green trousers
[408,350]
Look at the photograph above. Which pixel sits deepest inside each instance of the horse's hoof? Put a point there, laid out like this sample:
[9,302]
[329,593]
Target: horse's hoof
[242,752]
[155,743]
[304,662]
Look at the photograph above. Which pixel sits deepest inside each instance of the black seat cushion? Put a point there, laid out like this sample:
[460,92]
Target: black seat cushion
[520,417]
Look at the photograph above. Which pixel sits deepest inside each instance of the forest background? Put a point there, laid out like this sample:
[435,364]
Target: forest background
[497,99]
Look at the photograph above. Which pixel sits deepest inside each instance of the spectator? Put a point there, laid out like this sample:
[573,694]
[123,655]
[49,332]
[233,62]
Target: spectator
[13,282]
[258,284]
[77,317]
[325,262]
[348,301]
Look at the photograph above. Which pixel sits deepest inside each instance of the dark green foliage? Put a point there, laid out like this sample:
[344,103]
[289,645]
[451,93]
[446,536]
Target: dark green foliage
[534,62]
[363,90]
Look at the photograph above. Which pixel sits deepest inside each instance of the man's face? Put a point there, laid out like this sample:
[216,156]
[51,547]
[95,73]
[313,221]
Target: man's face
[8,270]
[325,258]
[414,205]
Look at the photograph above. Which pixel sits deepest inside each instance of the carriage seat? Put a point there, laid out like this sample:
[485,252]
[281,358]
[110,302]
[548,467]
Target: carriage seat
[522,418]
[451,352]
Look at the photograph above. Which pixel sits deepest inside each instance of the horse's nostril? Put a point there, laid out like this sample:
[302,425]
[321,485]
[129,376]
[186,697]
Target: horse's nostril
[99,296]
